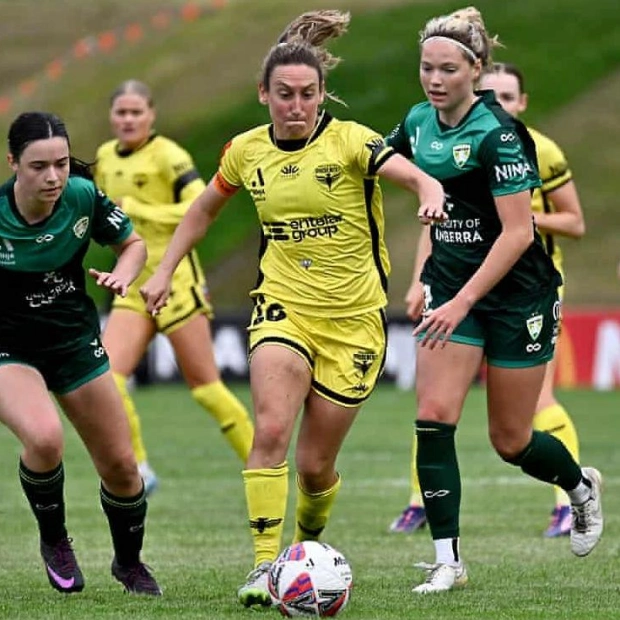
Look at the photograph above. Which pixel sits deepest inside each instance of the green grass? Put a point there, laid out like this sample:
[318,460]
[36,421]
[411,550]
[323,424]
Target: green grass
[199,546]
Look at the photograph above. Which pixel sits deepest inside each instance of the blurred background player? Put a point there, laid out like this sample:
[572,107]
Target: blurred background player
[50,338]
[318,331]
[557,212]
[154,181]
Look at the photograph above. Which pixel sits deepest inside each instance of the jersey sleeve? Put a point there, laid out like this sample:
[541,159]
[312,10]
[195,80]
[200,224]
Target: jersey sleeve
[111,225]
[554,170]
[228,179]
[508,157]
[399,140]
[181,173]
[370,150]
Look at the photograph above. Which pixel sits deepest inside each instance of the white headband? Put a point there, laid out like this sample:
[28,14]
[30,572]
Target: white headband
[464,47]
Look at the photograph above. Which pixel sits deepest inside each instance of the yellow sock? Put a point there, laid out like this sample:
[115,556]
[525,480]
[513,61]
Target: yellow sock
[231,415]
[133,417]
[266,494]
[312,512]
[416,492]
[556,421]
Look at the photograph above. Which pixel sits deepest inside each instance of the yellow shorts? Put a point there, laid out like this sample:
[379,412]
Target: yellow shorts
[187,298]
[346,356]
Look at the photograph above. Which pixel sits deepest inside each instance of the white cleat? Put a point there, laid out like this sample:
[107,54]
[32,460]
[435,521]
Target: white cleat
[148,477]
[255,590]
[441,578]
[587,525]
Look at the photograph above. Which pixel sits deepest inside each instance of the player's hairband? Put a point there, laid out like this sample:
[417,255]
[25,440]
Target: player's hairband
[464,47]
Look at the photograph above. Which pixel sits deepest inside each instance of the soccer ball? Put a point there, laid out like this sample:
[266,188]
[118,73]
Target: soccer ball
[310,579]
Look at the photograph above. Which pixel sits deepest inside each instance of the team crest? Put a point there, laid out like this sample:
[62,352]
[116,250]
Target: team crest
[461,153]
[80,227]
[328,174]
[534,326]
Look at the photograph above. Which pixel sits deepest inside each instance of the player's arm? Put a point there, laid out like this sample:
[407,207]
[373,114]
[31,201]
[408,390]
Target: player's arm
[192,228]
[567,220]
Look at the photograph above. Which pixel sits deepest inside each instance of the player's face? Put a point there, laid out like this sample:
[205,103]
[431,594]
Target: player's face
[294,96]
[132,119]
[507,92]
[447,77]
[42,171]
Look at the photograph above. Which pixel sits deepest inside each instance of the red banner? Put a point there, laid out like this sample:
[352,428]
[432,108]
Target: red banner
[588,352]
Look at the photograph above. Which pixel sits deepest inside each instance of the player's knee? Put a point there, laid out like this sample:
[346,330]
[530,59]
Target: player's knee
[46,444]
[119,473]
[508,445]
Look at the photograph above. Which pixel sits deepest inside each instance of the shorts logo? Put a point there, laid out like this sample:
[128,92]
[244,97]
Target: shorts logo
[461,153]
[80,227]
[534,326]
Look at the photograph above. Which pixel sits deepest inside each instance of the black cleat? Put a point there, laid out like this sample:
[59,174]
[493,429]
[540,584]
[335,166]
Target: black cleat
[61,567]
[136,578]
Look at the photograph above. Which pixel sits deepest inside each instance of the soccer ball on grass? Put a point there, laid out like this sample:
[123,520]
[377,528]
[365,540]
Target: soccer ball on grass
[310,579]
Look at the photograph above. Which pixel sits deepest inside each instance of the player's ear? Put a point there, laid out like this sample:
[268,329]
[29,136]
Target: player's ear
[11,160]
[262,94]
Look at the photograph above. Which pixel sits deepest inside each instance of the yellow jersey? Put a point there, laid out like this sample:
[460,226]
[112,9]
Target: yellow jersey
[155,185]
[554,172]
[320,207]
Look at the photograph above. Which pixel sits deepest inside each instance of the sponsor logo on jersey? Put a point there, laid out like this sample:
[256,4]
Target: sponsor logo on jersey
[257,187]
[46,238]
[328,174]
[183,167]
[436,145]
[81,226]
[303,228]
[116,217]
[7,253]
[461,153]
[518,170]
[290,171]
[534,326]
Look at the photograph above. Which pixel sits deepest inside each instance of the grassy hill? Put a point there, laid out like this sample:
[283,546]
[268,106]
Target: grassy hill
[204,75]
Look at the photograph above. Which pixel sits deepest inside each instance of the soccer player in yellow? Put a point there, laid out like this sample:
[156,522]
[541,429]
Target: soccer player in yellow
[154,181]
[317,333]
[557,212]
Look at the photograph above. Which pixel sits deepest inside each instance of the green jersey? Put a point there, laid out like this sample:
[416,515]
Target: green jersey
[487,154]
[44,302]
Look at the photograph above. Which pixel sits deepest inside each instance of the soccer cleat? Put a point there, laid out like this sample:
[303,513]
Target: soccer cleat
[136,578]
[149,477]
[560,522]
[411,519]
[587,525]
[255,590]
[61,567]
[441,578]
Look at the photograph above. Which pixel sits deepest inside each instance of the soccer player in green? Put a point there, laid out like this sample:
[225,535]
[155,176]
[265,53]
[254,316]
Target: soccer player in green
[485,287]
[49,342]
[317,334]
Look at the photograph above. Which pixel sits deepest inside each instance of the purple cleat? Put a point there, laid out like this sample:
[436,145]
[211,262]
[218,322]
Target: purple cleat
[136,578]
[560,522]
[411,519]
[61,567]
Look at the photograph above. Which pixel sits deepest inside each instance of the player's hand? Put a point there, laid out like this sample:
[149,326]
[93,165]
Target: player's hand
[415,301]
[437,325]
[432,213]
[113,282]
[155,292]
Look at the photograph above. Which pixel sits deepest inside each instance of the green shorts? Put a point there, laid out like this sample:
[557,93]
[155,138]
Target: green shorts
[67,369]
[514,336]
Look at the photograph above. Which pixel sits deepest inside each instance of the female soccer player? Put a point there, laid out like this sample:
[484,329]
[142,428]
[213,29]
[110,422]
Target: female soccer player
[49,340]
[154,181]
[484,286]
[557,212]
[317,333]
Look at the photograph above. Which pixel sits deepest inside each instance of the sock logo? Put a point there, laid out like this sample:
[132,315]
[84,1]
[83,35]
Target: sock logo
[436,494]
[264,523]
[44,508]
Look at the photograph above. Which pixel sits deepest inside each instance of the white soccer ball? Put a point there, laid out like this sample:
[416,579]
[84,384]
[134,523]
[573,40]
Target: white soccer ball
[310,579]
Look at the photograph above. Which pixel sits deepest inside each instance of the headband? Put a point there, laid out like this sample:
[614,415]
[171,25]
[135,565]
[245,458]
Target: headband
[464,47]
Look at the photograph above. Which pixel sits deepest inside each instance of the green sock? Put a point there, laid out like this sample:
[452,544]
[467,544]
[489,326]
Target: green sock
[440,480]
[126,516]
[45,494]
[546,458]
